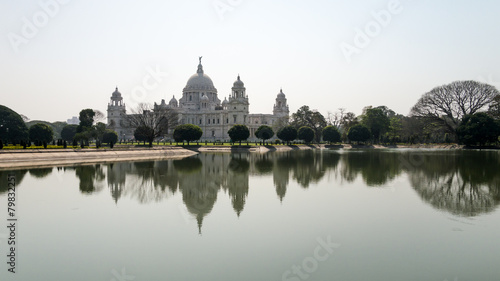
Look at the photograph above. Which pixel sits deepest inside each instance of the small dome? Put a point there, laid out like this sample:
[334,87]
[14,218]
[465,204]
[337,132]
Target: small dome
[173,100]
[225,101]
[238,83]
[204,98]
[116,94]
[281,94]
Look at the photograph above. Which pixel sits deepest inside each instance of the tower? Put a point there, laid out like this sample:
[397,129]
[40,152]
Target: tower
[280,106]
[237,105]
[117,114]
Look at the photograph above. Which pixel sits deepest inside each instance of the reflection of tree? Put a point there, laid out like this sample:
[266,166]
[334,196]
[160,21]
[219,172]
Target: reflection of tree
[264,165]
[305,166]
[188,165]
[308,167]
[465,183]
[40,172]
[4,175]
[376,167]
[90,176]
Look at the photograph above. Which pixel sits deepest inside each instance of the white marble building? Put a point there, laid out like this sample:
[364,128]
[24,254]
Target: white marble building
[200,105]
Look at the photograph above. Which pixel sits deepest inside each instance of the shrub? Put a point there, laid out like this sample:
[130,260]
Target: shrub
[264,132]
[306,134]
[287,134]
[238,133]
[187,132]
[359,133]
[41,132]
[331,134]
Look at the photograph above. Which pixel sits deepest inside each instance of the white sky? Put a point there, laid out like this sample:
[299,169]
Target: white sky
[84,49]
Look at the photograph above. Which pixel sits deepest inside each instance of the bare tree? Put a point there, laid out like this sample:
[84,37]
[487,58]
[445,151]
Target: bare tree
[448,104]
[157,121]
[335,119]
[98,116]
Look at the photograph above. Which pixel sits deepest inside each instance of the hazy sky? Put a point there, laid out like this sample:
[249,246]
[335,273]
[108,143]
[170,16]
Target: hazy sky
[58,57]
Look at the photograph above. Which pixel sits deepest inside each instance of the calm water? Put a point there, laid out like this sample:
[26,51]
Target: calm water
[301,215]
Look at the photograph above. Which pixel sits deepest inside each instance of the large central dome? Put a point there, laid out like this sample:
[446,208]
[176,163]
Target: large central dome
[200,82]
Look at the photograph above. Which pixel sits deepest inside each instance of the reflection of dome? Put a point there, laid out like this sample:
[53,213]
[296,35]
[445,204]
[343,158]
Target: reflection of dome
[238,83]
[200,81]
[116,94]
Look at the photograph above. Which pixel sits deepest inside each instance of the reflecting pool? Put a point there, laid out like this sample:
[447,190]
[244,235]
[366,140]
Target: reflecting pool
[298,215]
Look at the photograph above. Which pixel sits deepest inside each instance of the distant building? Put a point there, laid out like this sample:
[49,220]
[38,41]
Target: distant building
[200,105]
[73,121]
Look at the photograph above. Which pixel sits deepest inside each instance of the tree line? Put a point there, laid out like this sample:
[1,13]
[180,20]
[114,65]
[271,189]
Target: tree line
[466,112]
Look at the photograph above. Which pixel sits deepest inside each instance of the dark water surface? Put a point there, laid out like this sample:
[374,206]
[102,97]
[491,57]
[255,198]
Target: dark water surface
[300,215]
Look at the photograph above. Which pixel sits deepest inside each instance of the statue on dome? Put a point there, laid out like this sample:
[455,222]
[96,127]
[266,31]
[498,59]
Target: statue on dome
[200,58]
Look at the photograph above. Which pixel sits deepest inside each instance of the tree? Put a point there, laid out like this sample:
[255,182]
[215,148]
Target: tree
[335,119]
[68,132]
[98,116]
[395,127]
[287,134]
[109,136]
[12,126]
[56,126]
[264,132]
[145,134]
[98,130]
[359,133]
[478,129]
[159,121]
[377,121]
[348,120]
[306,134]
[448,104]
[86,120]
[187,132]
[238,133]
[310,118]
[331,134]
[41,132]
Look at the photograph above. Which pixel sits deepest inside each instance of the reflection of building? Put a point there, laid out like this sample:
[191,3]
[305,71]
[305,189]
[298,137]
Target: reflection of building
[200,105]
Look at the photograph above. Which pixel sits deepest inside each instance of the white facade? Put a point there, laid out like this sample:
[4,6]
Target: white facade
[201,106]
